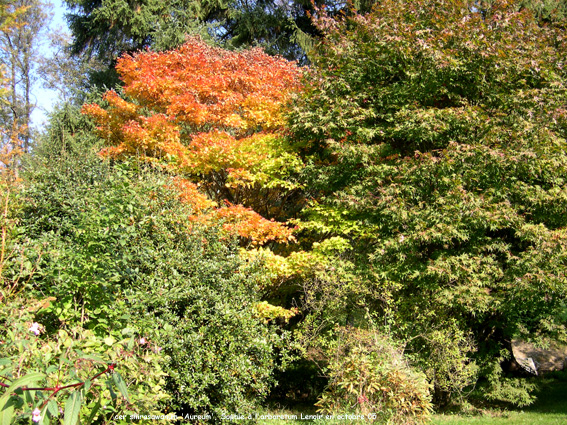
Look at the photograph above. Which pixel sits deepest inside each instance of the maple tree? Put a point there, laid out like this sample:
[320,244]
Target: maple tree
[215,118]
[435,135]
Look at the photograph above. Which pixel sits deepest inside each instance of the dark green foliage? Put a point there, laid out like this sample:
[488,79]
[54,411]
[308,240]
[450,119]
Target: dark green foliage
[547,11]
[221,356]
[118,250]
[301,381]
[436,137]
[109,29]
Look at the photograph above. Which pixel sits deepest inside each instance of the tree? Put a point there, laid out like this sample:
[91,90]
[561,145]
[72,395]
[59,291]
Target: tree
[67,75]
[435,138]
[10,145]
[20,55]
[214,118]
[110,28]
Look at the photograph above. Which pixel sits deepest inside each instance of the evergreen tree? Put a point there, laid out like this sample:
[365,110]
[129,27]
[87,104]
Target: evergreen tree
[109,29]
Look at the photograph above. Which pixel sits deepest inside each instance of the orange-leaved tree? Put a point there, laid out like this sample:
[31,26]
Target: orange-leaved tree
[214,118]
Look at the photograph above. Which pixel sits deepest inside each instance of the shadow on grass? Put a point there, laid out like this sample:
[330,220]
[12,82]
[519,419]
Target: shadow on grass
[550,408]
[552,398]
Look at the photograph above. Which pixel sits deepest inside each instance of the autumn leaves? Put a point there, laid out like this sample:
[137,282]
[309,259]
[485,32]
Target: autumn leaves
[213,119]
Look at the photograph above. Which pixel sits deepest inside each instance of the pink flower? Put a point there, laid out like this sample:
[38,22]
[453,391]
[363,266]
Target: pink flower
[35,328]
[362,399]
[36,415]
[142,341]
[157,349]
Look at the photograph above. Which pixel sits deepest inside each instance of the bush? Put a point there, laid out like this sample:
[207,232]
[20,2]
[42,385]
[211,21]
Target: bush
[102,377]
[116,248]
[370,377]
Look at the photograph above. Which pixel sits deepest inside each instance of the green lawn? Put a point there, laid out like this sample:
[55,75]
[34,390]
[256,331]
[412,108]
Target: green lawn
[549,409]
[513,418]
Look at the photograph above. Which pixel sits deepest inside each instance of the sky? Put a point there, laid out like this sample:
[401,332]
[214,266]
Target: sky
[46,98]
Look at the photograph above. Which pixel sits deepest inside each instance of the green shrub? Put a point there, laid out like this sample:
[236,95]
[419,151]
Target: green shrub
[102,377]
[370,377]
[118,250]
[498,388]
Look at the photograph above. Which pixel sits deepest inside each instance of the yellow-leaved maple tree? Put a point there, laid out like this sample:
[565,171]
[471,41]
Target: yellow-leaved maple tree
[214,118]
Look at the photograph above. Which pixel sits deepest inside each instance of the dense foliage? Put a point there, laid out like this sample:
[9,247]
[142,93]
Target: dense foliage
[372,236]
[435,134]
[116,250]
[112,28]
[214,118]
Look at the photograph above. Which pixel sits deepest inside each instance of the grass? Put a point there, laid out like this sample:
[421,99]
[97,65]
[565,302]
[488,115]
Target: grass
[549,409]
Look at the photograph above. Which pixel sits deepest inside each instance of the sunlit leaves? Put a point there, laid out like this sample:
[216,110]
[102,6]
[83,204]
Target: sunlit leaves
[202,85]
[214,117]
[419,75]
[435,135]
[249,224]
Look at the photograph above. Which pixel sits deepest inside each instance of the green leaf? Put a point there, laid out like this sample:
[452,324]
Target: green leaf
[6,371]
[26,381]
[5,361]
[51,369]
[72,408]
[110,389]
[44,418]
[7,404]
[109,341]
[29,397]
[121,385]
[92,357]
[53,408]
[94,411]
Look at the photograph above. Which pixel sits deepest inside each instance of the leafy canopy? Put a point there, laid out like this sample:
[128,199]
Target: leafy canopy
[435,138]
[213,117]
